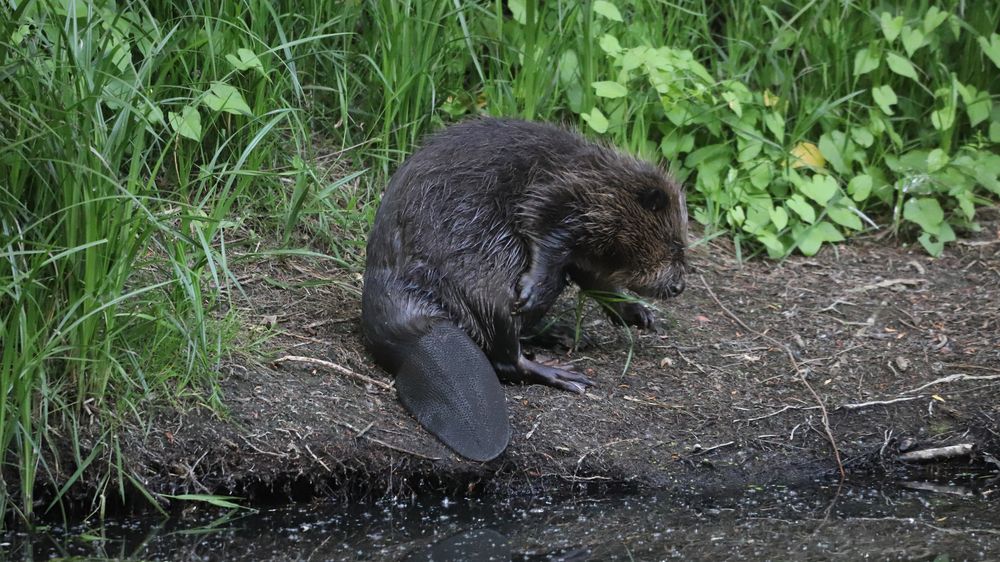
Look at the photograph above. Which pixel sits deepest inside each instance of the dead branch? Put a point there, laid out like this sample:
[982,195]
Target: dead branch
[772,414]
[938,453]
[698,450]
[886,283]
[826,426]
[335,367]
[953,378]
[861,405]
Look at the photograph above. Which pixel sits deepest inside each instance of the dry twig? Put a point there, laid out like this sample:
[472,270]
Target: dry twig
[938,453]
[886,283]
[953,378]
[861,405]
[335,367]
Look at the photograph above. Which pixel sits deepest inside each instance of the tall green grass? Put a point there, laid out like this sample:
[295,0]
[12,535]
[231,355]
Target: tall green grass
[134,136]
[138,137]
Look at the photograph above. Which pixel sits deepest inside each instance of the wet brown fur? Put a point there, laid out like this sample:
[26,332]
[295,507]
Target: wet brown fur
[483,225]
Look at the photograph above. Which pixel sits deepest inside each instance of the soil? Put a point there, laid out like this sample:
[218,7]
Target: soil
[758,370]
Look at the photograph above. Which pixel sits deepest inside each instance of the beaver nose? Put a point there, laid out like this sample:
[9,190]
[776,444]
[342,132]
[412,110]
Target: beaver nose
[676,288]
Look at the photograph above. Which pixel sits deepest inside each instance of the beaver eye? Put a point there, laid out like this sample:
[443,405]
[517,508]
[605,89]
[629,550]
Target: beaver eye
[653,199]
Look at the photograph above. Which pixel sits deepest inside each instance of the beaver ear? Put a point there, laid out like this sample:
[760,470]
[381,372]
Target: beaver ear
[653,199]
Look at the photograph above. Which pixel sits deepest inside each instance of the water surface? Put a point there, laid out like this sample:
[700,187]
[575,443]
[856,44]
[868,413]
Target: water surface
[955,518]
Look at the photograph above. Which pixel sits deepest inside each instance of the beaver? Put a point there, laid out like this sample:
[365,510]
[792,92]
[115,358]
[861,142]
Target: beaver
[477,234]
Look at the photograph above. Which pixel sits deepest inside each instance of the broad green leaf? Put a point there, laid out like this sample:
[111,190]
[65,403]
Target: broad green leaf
[719,154]
[153,115]
[913,39]
[761,174]
[933,17]
[785,39]
[775,248]
[865,61]
[932,247]
[757,220]
[844,216]
[609,44]
[735,216]
[596,120]
[820,188]
[955,24]
[943,118]
[187,123]
[862,136]
[121,56]
[891,26]
[901,65]
[776,124]
[885,97]
[936,159]
[245,59]
[608,10]
[733,102]
[569,77]
[925,211]
[78,8]
[978,104]
[518,10]
[876,123]
[608,89]
[748,149]
[223,97]
[966,203]
[991,48]
[19,34]
[779,217]
[995,131]
[569,67]
[934,243]
[802,208]
[635,57]
[674,144]
[832,152]
[860,187]
[814,237]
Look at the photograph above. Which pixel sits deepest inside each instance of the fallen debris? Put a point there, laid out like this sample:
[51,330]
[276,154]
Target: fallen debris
[938,453]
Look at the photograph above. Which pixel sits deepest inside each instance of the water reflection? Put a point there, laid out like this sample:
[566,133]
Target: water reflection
[478,544]
[957,518]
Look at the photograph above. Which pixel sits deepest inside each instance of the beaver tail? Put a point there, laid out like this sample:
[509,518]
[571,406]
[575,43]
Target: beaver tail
[442,377]
[447,383]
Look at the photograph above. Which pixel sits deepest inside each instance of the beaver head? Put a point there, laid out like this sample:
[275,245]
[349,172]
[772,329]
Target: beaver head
[636,229]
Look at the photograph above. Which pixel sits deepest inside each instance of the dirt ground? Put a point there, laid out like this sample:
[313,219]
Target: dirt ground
[897,350]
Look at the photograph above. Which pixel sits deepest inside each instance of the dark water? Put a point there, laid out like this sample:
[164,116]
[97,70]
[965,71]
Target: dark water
[956,518]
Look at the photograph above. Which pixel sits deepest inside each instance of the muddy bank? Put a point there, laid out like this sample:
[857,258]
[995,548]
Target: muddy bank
[901,350]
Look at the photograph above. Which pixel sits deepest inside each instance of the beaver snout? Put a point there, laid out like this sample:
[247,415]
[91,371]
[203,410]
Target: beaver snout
[675,288]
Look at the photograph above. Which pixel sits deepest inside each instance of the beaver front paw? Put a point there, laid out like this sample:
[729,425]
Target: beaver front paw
[527,296]
[633,314]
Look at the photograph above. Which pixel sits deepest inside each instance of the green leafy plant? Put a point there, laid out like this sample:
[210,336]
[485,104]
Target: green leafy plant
[794,170]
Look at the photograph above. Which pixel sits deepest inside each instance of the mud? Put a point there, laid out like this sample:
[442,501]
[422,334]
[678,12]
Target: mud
[894,349]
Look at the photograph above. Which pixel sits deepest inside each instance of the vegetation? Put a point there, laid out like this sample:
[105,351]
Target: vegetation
[136,137]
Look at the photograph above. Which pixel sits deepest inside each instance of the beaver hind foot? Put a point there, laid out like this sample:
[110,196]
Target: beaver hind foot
[449,386]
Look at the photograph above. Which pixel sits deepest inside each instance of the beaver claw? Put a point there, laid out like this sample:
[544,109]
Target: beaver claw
[633,314]
[532,372]
[529,297]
